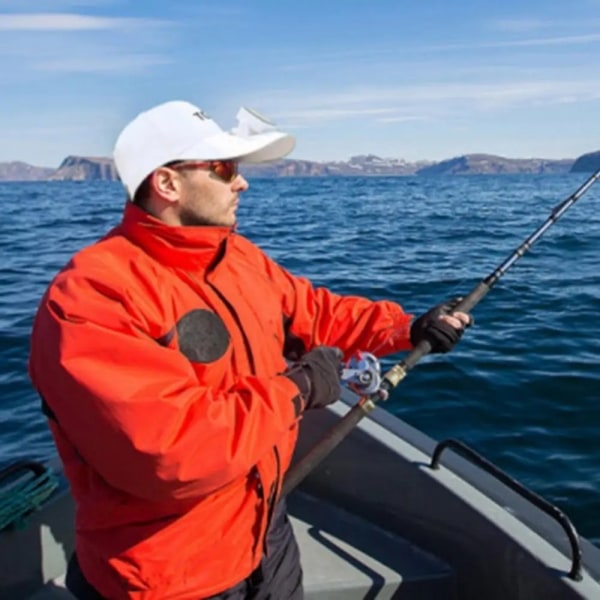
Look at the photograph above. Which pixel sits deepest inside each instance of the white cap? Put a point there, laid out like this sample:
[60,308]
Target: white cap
[181,131]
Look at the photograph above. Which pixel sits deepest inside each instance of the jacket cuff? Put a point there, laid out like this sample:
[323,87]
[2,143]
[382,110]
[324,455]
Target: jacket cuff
[298,376]
[402,326]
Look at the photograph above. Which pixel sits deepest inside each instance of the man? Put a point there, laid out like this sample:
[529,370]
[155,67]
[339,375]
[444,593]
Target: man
[174,360]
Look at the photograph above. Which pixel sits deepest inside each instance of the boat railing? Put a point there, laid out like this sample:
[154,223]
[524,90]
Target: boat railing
[466,452]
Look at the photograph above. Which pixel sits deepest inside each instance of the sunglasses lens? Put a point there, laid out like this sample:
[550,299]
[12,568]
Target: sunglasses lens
[225,169]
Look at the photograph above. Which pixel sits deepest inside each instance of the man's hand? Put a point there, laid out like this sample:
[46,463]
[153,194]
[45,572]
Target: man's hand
[317,375]
[440,326]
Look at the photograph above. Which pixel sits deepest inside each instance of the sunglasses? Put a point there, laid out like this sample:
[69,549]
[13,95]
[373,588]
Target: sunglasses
[225,170]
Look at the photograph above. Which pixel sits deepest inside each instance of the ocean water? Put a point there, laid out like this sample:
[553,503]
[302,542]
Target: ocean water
[523,386]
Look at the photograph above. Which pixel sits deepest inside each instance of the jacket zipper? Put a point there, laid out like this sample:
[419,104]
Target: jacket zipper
[272,499]
[260,488]
[238,323]
[261,495]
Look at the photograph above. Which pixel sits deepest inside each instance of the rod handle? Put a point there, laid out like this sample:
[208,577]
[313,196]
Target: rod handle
[424,347]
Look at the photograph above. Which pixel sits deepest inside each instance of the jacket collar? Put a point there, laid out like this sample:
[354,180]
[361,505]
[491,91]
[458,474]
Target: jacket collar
[186,247]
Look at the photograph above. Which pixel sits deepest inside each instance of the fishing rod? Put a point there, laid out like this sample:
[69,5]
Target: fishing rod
[363,371]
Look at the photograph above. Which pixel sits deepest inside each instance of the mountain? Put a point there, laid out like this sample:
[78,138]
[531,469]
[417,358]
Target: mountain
[479,164]
[587,163]
[286,168]
[368,165]
[79,168]
[20,171]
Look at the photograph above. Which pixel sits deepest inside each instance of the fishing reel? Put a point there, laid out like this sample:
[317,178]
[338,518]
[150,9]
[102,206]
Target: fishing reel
[362,374]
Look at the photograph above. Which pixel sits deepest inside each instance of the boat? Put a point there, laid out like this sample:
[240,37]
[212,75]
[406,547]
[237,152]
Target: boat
[390,513]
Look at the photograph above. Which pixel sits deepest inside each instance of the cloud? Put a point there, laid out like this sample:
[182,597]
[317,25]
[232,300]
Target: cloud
[431,56]
[425,102]
[53,5]
[69,22]
[324,114]
[536,24]
[76,43]
[550,41]
[108,64]
[521,25]
[335,113]
[565,40]
[404,119]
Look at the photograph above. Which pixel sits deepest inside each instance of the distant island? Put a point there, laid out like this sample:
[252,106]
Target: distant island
[81,168]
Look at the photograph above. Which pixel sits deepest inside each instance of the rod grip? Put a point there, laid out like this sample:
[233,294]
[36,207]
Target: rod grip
[472,299]
[465,305]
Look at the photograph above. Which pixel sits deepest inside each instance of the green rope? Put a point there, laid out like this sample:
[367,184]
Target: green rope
[25,497]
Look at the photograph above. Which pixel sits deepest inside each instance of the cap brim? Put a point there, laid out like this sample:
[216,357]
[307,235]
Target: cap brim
[257,148]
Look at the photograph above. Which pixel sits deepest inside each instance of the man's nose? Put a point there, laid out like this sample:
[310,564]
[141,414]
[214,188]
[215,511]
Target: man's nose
[239,184]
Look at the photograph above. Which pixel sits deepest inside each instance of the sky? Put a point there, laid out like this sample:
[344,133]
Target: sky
[411,80]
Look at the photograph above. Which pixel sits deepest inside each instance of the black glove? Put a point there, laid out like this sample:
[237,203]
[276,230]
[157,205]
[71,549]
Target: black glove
[439,334]
[317,375]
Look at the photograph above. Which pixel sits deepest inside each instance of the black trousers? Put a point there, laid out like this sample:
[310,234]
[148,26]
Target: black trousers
[278,577]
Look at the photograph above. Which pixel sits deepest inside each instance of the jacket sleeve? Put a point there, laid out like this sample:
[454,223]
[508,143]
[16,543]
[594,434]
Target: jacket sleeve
[135,410]
[317,316]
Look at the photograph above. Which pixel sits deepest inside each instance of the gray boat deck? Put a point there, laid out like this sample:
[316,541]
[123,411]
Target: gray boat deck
[345,558]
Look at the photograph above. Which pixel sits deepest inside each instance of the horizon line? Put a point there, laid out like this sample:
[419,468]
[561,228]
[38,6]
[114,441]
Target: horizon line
[323,161]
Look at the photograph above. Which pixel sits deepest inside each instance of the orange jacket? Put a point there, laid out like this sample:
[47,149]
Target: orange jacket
[158,353]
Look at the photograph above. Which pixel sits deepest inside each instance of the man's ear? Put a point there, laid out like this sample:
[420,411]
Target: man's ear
[166,183]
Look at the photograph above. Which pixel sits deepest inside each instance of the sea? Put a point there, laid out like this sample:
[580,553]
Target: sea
[523,386]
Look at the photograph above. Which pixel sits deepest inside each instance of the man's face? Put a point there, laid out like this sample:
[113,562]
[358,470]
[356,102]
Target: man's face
[207,199]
